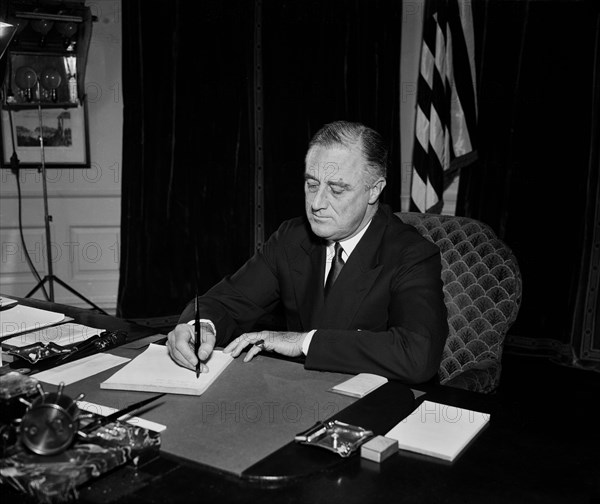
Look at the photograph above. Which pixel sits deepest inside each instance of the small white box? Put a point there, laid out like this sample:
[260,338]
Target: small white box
[379,448]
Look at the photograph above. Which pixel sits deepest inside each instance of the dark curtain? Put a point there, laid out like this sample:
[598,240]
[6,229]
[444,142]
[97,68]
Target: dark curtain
[535,182]
[187,165]
[585,329]
[324,61]
[191,118]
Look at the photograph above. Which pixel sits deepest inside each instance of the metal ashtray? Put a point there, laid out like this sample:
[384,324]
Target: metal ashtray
[336,436]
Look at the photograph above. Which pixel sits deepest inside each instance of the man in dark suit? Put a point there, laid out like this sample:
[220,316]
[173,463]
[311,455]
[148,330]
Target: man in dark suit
[382,311]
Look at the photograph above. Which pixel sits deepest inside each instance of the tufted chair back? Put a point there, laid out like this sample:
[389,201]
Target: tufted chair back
[482,291]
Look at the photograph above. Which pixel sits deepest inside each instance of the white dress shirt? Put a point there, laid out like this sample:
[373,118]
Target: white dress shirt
[348,247]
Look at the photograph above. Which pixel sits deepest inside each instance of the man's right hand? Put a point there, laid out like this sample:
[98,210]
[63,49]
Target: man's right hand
[180,343]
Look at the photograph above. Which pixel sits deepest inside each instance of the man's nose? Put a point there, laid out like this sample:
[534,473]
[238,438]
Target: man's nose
[319,201]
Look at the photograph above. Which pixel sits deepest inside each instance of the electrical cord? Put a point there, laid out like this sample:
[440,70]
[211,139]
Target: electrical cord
[14,167]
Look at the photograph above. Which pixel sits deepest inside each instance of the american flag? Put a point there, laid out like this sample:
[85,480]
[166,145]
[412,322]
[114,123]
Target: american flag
[446,114]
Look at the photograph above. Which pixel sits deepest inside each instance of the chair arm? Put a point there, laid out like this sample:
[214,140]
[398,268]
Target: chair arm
[483,378]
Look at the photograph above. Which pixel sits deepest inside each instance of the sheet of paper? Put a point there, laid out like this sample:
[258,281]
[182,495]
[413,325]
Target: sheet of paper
[360,385]
[438,430]
[80,369]
[154,371]
[105,411]
[63,334]
[21,318]
[7,302]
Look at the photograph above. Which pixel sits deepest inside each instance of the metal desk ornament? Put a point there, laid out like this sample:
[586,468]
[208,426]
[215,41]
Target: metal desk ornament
[40,352]
[52,421]
[336,436]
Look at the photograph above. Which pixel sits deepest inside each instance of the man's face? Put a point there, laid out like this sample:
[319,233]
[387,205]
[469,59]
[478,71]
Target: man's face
[338,200]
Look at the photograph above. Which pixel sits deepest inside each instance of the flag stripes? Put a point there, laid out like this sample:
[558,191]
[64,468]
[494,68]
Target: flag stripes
[446,114]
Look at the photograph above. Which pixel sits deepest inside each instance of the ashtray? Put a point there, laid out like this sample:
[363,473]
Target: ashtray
[336,436]
[37,352]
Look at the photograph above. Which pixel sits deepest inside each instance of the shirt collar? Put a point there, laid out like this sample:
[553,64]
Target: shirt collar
[350,244]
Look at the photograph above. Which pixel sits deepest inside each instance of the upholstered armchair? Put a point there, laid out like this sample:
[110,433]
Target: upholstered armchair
[482,291]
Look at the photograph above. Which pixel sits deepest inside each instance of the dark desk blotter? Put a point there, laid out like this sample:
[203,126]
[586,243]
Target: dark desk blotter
[250,411]
[253,410]
[378,412]
[55,478]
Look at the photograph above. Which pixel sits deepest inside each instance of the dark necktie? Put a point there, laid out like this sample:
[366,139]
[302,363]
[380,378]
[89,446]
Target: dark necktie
[336,266]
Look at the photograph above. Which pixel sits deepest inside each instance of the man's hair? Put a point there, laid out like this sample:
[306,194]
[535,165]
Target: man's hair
[352,134]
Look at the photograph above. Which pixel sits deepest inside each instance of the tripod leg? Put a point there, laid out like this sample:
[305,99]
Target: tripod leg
[81,296]
[40,285]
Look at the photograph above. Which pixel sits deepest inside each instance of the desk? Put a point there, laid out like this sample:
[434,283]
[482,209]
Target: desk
[541,446]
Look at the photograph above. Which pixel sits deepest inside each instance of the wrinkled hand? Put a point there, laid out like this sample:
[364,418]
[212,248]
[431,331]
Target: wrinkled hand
[180,342]
[284,343]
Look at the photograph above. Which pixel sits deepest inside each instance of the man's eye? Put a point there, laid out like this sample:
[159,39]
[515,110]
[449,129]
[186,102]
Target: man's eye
[336,190]
[312,187]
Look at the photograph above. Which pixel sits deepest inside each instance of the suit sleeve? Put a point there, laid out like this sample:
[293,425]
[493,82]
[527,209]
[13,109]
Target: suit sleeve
[410,347]
[239,300]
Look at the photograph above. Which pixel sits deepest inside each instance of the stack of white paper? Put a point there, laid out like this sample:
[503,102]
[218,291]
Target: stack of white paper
[154,371]
[438,430]
[19,319]
[63,334]
[360,385]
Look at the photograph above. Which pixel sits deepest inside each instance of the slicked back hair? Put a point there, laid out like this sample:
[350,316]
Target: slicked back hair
[351,134]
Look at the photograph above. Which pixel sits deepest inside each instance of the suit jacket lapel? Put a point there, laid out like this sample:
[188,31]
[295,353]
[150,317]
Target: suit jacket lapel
[307,270]
[356,277]
[307,267]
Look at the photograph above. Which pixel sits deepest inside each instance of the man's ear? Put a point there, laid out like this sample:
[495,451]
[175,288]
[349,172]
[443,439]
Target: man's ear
[375,190]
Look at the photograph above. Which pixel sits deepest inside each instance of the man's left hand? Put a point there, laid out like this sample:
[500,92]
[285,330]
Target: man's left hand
[284,343]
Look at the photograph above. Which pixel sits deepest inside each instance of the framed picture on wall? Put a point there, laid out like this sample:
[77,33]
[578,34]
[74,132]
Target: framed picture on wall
[65,138]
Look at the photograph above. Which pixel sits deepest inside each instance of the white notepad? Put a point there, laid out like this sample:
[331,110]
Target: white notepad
[80,369]
[63,334]
[133,420]
[154,371]
[20,318]
[438,430]
[359,385]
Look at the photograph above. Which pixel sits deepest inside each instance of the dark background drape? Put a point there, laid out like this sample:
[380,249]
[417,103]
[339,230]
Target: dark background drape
[189,83]
[537,177]
[192,117]
[187,168]
[325,61]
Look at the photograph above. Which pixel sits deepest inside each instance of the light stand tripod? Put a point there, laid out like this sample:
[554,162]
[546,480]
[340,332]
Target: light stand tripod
[50,277]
